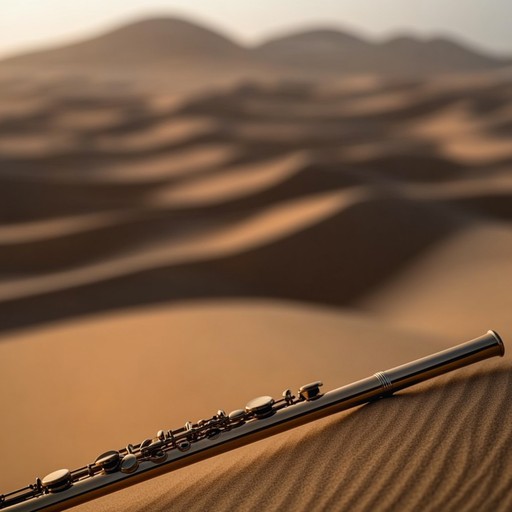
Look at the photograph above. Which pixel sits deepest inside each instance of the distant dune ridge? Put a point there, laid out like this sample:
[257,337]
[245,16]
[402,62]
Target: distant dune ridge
[177,46]
[334,51]
[259,219]
[150,41]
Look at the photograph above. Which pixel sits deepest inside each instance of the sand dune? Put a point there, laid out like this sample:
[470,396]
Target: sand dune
[467,272]
[169,133]
[164,254]
[232,183]
[426,434]
[149,345]
[482,150]
[172,165]
[255,231]
[351,462]
[216,208]
[329,236]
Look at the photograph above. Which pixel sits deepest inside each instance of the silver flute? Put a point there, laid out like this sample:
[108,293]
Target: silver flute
[262,417]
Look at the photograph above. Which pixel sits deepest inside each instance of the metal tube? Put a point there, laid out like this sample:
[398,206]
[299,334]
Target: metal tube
[483,347]
[262,417]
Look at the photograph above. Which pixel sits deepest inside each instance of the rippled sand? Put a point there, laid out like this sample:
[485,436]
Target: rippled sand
[166,255]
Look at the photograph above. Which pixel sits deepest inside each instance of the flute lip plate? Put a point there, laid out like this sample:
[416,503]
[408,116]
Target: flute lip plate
[500,341]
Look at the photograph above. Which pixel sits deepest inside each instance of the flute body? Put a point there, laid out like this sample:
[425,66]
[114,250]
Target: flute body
[262,417]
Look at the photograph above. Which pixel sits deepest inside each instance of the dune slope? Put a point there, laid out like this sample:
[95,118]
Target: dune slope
[415,451]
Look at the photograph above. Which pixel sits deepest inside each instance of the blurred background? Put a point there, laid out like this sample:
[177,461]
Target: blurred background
[203,201]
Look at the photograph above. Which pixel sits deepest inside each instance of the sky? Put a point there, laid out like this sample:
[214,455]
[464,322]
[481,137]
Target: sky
[30,24]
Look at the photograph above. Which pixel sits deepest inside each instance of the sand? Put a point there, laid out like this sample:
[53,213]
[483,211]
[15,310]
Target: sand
[165,254]
[442,436]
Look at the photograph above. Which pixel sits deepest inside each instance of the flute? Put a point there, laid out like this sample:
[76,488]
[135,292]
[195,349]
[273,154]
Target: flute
[262,417]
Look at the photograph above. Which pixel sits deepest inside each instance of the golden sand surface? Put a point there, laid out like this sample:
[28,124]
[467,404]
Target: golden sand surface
[439,447]
[164,255]
[435,436]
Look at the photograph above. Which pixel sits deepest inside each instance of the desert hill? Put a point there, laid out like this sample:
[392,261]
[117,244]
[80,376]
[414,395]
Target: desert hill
[335,51]
[151,41]
[176,46]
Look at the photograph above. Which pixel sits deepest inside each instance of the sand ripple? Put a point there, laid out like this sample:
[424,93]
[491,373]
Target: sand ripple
[439,446]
